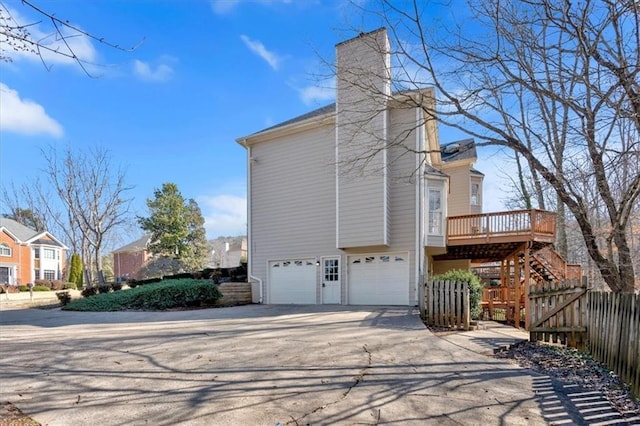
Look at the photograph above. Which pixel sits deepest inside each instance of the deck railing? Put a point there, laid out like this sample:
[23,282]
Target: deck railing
[502,224]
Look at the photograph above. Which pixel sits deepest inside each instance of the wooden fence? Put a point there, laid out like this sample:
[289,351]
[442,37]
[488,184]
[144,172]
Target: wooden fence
[605,324]
[558,312]
[447,304]
[614,334]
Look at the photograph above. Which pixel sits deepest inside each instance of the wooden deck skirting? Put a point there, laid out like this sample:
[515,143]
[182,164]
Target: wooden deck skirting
[519,225]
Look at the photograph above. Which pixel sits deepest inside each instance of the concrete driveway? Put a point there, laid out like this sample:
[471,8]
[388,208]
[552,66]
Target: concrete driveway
[252,365]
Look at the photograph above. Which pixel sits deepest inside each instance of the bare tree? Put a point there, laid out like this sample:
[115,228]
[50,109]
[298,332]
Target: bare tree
[57,40]
[551,80]
[93,193]
[82,199]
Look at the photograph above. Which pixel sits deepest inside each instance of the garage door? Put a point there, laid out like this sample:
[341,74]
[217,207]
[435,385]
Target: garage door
[379,279]
[292,281]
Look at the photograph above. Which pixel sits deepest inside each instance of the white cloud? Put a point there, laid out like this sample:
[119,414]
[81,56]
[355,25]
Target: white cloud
[55,49]
[222,7]
[315,94]
[224,215]
[146,72]
[25,116]
[258,48]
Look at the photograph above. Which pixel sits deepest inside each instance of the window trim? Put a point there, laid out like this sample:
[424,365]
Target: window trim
[6,250]
[477,200]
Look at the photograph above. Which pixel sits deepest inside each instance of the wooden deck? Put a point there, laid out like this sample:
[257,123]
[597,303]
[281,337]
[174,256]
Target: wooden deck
[502,227]
[491,237]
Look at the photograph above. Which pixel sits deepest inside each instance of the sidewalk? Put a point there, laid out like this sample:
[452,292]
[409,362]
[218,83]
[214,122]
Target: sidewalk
[488,338]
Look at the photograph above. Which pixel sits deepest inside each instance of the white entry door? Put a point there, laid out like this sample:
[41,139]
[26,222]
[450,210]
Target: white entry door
[331,280]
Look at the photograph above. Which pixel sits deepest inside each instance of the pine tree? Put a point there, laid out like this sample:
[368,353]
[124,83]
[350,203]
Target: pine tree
[176,227]
[75,271]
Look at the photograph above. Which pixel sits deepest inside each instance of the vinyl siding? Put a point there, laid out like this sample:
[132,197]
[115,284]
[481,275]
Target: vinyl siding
[362,123]
[292,199]
[459,200]
[402,191]
[443,266]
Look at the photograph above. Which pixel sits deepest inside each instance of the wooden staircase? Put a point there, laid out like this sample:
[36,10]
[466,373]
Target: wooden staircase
[549,266]
[546,267]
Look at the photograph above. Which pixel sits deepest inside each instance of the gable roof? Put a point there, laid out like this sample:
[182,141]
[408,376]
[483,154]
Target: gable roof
[464,149]
[331,108]
[24,234]
[17,230]
[137,245]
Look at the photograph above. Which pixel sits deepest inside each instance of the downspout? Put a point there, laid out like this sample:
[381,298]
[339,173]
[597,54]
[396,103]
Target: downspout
[249,235]
[420,200]
[252,277]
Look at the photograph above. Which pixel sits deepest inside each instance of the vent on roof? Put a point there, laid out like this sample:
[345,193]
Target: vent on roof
[451,148]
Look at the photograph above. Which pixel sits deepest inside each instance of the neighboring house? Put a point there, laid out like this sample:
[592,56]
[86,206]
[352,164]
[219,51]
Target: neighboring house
[328,222]
[129,259]
[27,255]
[228,252]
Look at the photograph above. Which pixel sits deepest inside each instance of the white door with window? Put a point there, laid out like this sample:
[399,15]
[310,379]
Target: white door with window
[331,280]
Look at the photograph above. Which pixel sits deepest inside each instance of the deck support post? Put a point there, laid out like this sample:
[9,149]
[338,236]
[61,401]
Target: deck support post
[518,289]
[527,280]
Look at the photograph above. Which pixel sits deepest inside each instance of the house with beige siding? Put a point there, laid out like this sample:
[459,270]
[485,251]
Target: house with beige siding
[27,255]
[341,209]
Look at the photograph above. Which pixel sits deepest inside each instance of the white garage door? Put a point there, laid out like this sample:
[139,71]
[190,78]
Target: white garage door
[292,281]
[379,279]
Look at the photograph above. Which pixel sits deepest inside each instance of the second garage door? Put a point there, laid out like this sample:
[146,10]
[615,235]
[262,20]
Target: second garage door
[379,279]
[292,281]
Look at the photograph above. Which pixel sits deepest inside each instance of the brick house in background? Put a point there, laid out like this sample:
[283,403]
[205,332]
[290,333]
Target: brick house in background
[129,259]
[27,255]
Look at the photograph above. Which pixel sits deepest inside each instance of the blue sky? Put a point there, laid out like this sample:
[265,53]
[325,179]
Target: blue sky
[204,74]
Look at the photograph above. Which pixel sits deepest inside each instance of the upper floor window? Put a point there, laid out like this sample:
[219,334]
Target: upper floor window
[475,194]
[435,211]
[36,253]
[5,250]
[49,253]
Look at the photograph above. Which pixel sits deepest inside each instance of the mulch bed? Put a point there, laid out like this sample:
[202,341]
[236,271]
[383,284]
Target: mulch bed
[571,366]
[10,415]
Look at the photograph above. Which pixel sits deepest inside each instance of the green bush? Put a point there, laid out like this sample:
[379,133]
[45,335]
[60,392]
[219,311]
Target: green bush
[69,286]
[41,288]
[168,294]
[475,288]
[23,288]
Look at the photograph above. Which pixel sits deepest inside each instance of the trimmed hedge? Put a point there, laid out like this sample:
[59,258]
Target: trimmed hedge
[168,294]
[41,288]
[475,288]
